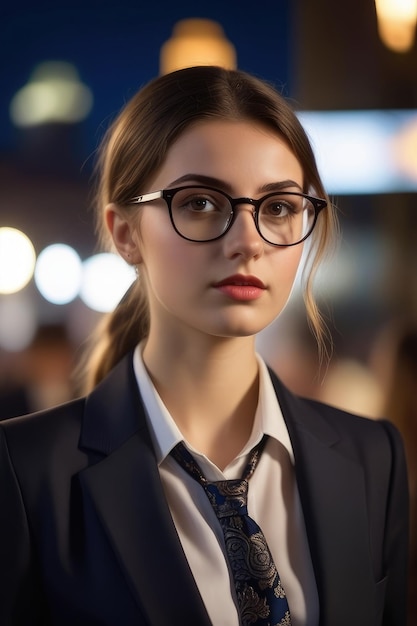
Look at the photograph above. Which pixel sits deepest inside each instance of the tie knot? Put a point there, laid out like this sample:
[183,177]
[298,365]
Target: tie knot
[228,497]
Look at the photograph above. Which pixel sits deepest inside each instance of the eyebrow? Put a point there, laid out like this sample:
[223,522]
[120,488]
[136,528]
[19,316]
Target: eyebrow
[217,182]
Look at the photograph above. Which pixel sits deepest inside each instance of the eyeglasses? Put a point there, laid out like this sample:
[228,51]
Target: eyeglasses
[203,214]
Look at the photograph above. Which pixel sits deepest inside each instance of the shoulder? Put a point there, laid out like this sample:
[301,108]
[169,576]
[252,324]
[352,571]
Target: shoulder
[34,435]
[356,433]
[48,418]
[367,433]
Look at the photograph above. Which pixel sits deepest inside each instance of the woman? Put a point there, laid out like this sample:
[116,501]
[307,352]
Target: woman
[209,187]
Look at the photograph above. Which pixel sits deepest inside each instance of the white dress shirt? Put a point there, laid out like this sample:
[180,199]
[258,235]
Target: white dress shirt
[273,502]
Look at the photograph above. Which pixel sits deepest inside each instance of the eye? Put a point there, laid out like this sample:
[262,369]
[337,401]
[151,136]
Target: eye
[282,206]
[199,201]
[277,208]
[200,204]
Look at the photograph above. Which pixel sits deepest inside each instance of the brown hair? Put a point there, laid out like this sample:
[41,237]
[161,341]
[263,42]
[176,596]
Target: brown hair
[136,146]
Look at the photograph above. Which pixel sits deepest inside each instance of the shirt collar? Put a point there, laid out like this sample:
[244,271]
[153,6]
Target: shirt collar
[166,434]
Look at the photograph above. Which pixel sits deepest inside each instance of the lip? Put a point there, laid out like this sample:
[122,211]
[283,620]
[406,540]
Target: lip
[241,281]
[241,288]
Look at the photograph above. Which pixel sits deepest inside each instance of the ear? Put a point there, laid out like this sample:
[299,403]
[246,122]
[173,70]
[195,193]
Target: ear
[125,238]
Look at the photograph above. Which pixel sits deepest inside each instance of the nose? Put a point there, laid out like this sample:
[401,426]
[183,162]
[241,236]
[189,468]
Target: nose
[243,238]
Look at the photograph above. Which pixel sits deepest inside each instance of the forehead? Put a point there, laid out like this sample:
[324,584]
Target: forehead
[232,151]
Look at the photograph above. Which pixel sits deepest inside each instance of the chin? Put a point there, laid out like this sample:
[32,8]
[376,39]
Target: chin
[250,327]
[243,330]
[234,324]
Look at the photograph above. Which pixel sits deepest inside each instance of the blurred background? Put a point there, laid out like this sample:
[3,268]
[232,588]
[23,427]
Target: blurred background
[66,70]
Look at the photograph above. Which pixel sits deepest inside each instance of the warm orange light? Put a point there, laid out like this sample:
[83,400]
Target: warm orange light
[397,23]
[405,149]
[197,42]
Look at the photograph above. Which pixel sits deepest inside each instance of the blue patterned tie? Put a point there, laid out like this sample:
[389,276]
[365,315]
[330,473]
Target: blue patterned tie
[260,595]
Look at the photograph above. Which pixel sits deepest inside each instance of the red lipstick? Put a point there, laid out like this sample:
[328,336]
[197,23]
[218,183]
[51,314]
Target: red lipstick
[240,287]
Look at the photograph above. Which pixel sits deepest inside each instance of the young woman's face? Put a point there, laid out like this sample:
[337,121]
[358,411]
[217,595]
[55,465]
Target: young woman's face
[238,284]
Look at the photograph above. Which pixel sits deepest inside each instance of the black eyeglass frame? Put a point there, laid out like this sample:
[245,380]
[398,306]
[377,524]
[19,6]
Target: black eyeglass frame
[168,194]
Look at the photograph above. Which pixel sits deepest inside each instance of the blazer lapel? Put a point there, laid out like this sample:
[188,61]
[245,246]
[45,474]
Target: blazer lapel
[127,493]
[333,496]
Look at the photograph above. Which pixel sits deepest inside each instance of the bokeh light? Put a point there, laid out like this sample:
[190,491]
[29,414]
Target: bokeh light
[17,260]
[18,322]
[58,273]
[361,152]
[106,277]
[54,93]
[197,41]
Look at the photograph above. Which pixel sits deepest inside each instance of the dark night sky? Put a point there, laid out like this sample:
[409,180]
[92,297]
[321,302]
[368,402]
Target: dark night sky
[115,45]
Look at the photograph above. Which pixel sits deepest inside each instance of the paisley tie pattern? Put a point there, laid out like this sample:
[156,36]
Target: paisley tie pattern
[260,595]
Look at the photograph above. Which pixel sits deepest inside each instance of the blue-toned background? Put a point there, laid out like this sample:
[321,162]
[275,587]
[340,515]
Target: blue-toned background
[115,45]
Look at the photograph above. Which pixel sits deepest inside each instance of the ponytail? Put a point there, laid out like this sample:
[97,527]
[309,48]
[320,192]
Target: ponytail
[117,334]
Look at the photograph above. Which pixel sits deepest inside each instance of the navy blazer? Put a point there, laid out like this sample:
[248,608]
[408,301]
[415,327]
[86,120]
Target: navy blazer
[86,535]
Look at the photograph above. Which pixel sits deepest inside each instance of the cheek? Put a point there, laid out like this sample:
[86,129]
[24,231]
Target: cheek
[287,264]
[162,248]
[167,260]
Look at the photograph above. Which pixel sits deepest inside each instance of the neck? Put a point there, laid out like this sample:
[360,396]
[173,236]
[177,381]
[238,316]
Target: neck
[210,388]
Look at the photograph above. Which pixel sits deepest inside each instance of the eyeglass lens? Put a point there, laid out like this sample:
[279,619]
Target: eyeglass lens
[205,214]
